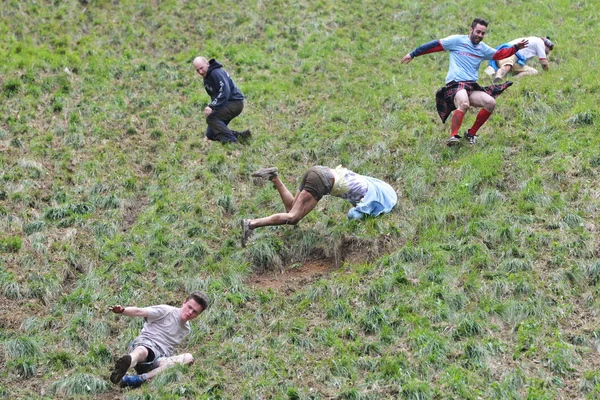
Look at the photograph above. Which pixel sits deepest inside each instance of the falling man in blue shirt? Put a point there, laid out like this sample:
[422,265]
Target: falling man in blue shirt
[462,91]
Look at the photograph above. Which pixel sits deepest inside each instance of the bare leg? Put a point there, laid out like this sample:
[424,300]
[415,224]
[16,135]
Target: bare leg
[303,203]
[461,100]
[165,363]
[505,69]
[286,195]
[531,71]
[482,99]
[138,355]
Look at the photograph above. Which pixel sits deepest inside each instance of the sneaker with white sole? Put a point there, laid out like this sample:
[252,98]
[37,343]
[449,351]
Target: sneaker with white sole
[472,139]
[453,141]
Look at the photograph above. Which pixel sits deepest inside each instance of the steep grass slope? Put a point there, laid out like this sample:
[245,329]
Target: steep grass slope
[482,283]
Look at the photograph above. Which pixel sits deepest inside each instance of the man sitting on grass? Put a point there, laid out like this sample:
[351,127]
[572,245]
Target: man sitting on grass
[369,196]
[151,352]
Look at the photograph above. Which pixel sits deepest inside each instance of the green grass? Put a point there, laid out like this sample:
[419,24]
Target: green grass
[482,283]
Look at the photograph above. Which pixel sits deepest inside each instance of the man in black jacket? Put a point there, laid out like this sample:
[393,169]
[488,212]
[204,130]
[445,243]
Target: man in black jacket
[227,101]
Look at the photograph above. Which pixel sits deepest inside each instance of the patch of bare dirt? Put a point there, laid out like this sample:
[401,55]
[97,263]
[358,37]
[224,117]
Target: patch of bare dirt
[291,279]
[14,312]
[350,250]
[132,210]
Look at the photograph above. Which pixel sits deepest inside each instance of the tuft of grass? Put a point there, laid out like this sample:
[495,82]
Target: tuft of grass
[79,384]
[10,244]
[22,347]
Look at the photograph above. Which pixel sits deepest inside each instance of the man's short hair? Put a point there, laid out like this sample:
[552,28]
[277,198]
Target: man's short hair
[199,298]
[479,21]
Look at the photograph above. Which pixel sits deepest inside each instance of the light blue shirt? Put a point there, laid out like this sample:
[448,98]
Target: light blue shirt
[465,57]
[380,198]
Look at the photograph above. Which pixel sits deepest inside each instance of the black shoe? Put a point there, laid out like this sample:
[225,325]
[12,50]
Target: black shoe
[472,139]
[244,137]
[453,141]
[266,173]
[497,81]
[121,367]
[245,134]
[246,231]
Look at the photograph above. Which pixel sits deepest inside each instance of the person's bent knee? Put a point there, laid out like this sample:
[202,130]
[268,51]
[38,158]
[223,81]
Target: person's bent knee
[490,104]
[292,220]
[463,106]
[212,118]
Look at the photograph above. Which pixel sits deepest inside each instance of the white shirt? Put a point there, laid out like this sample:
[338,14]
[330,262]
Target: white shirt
[535,48]
[164,327]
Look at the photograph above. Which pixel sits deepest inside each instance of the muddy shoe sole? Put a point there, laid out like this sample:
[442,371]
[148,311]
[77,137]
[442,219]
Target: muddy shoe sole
[121,367]
[453,141]
[266,173]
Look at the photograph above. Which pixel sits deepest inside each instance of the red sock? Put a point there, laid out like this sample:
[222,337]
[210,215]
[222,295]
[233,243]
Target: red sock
[457,117]
[482,116]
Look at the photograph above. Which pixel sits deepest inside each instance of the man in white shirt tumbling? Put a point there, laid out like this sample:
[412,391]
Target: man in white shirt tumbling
[151,352]
[516,64]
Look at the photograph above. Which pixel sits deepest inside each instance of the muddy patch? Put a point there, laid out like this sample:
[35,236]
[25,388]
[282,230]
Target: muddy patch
[298,275]
[131,211]
[320,264]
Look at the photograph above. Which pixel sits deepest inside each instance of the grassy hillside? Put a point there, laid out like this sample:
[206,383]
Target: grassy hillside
[484,282]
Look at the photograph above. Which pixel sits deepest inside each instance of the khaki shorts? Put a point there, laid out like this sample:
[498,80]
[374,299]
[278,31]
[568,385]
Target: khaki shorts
[318,181]
[516,67]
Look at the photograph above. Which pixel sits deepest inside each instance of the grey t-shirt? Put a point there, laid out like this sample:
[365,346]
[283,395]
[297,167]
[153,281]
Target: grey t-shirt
[164,327]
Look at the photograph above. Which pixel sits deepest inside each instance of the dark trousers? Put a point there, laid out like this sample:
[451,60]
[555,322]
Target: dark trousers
[219,119]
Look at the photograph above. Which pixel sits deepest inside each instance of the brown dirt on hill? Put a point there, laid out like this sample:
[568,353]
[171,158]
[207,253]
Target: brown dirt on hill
[351,250]
[131,211]
[291,279]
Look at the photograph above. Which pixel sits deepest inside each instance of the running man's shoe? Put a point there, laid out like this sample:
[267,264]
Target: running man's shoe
[453,141]
[472,139]
[120,369]
[266,173]
[244,136]
[132,381]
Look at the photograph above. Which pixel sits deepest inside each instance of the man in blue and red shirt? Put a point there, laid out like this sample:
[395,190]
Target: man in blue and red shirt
[467,52]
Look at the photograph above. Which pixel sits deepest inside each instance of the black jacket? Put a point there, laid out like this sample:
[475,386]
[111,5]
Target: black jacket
[219,85]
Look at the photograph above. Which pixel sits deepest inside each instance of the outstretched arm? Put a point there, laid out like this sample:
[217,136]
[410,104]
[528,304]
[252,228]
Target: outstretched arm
[129,311]
[427,48]
[509,51]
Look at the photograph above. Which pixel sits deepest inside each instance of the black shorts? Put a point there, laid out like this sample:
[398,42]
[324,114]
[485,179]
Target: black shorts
[318,181]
